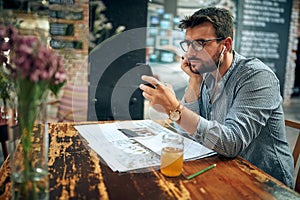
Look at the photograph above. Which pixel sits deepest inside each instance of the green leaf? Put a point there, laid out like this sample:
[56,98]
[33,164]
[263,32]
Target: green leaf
[55,88]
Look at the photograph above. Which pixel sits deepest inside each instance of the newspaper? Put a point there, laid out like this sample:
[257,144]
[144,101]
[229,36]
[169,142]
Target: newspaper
[133,145]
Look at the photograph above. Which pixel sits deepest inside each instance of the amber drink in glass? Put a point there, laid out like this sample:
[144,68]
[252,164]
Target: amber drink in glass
[172,155]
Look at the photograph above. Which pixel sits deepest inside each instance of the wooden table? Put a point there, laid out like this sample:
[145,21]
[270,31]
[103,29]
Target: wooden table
[76,172]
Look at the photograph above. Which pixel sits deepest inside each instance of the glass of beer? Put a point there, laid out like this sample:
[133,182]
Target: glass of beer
[171,155]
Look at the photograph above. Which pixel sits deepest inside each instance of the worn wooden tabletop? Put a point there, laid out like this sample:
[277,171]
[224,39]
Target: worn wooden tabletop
[77,172]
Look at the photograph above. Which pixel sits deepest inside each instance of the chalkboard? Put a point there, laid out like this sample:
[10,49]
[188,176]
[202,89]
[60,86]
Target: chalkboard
[70,2]
[61,29]
[69,15]
[263,32]
[63,44]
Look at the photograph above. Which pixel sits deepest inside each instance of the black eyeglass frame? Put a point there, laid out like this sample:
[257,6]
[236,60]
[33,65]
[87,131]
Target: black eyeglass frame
[200,42]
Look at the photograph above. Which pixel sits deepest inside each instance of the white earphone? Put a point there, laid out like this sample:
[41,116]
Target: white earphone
[224,48]
[221,55]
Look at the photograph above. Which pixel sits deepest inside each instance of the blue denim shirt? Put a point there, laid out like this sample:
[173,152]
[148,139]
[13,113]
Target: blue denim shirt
[246,118]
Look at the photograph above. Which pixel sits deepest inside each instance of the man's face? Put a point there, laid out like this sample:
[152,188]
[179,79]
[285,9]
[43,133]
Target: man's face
[205,60]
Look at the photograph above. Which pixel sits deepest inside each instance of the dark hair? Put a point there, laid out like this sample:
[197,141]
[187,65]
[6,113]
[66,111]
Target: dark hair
[221,19]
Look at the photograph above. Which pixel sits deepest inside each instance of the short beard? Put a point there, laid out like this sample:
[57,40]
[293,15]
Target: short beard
[206,67]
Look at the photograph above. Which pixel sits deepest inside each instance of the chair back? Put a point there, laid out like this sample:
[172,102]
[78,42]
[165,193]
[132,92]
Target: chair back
[73,103]
[296,151]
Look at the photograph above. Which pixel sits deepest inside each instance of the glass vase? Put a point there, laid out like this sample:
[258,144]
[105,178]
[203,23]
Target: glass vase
[29,153]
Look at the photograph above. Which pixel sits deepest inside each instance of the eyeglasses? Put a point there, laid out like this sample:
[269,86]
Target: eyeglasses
[197,45]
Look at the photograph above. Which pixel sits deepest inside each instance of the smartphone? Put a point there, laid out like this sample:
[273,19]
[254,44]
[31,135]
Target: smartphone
[193,69]
[150,85]
[146,69]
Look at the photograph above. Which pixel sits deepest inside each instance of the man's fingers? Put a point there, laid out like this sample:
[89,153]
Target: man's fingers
[151,79]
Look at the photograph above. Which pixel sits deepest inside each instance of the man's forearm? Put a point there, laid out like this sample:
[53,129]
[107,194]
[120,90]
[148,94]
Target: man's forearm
[193,90]
[189,120]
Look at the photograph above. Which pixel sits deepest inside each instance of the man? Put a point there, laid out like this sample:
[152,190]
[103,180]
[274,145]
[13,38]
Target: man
[232,104]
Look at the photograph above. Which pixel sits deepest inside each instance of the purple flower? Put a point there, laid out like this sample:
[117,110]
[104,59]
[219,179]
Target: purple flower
[30,58]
